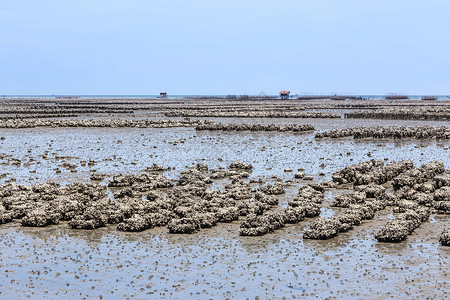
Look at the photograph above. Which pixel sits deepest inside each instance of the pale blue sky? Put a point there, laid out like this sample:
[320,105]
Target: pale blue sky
[224,47]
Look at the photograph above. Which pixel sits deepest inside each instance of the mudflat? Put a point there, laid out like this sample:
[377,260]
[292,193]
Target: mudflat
[129,198]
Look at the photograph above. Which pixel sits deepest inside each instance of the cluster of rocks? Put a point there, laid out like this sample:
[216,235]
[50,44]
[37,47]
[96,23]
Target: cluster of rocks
[22,110]
[420,175]
[404,224]
[246,113]
[350,173]
[326,228]
[402,113]
[416,195]
[187,204]
[254,127]
[393,132]
[142,123]
[305,205]
[383,174]
[415,198]
[359,205]
[141,201]
[48,203]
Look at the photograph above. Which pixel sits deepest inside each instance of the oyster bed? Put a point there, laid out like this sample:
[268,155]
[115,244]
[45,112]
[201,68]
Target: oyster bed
[223,213]
[402,113]
[392,132]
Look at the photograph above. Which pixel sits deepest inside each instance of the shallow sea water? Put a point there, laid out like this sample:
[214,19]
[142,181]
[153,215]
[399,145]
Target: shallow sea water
[215,263]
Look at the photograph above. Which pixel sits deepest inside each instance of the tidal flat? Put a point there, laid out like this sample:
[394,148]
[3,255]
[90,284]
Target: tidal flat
[218,262]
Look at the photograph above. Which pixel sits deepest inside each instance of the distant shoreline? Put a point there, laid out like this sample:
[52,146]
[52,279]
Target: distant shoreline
[224,97]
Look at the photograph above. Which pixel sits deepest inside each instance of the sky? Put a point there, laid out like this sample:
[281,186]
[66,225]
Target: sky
[221,47]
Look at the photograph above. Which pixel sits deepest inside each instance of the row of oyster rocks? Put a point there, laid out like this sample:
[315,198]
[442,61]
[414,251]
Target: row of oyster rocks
[417,193]
[152,123]
[142,201]
[368,198]
[380,132]
[190,205]
[34,116]
[254,127]
[50,109]
[305,205]
[402,113]
[244,113]
[392,132]
[143,123]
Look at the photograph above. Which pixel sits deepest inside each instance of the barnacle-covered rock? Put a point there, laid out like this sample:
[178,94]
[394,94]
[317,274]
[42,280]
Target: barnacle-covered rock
[184,225]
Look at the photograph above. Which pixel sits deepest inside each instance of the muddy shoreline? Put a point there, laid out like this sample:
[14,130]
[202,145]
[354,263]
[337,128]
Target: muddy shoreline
[220,262]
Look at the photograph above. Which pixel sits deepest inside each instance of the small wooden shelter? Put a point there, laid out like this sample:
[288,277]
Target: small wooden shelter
[285,94]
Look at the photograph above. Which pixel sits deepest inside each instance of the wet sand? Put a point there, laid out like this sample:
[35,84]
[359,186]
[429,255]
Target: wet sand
[216,263]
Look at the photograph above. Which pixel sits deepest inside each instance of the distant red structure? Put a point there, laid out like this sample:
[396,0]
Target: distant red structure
[285,94]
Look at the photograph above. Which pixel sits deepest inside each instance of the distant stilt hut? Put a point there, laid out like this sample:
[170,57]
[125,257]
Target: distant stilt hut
[285,94]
